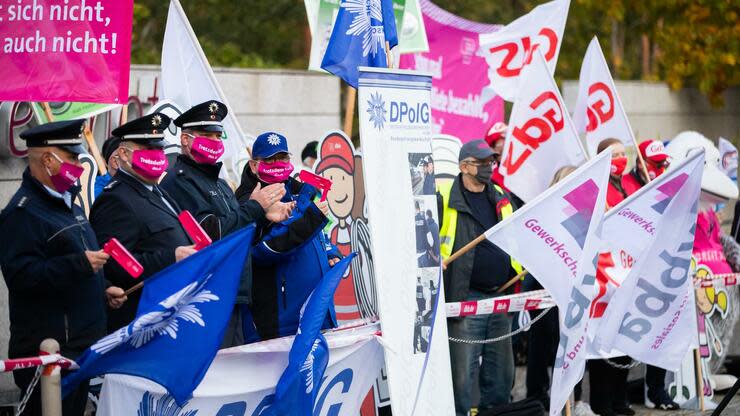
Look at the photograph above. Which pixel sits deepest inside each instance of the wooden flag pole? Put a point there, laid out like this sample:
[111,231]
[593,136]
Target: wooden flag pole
[699,379]
[90,139]
[567,407]
[349,110]
[133,288]
[47,111]
[512,281]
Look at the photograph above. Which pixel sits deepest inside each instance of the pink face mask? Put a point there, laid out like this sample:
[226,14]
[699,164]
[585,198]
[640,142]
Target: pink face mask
[206,151]
[274,172]
[67,176]
[150,164]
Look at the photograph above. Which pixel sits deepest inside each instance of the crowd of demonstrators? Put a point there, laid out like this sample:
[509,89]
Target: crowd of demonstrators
[63,286]
[470,205]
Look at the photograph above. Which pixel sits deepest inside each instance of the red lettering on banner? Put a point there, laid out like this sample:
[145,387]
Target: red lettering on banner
[535,131]
[512,49]
[602,282]
[532,304]
[730,280]
[627,260]
[501,306]
[468,308]
[601,111]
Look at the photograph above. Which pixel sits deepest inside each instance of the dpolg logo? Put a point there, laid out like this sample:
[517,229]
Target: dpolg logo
[401,112]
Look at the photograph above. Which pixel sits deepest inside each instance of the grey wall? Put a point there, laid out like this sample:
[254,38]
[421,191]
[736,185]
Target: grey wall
[656,112]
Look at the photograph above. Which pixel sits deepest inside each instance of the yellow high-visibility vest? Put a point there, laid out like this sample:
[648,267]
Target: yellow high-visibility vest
[449,222]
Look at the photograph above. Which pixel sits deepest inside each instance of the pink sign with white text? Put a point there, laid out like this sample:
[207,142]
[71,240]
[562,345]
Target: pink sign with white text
[65,50]
[458,74]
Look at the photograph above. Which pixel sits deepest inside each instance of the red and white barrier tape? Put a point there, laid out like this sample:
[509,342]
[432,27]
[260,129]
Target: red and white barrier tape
[727,279]
[22,363]
[527,301]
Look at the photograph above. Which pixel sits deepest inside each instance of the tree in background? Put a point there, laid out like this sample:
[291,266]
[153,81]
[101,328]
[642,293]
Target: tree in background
[683,42]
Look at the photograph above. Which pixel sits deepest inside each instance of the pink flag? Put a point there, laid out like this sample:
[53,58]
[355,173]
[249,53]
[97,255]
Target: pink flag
[65,51]
[510,49]
[599,112]
[458,108]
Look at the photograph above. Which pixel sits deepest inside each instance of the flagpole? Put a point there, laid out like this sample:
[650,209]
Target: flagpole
[133,288]
[349,110]
[699,379]
[90,139]
[47,112]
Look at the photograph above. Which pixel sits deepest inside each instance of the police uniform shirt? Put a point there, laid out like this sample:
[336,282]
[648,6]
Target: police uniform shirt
[144,220]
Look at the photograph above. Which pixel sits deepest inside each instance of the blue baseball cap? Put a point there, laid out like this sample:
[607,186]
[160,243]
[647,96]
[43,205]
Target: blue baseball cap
[269,144]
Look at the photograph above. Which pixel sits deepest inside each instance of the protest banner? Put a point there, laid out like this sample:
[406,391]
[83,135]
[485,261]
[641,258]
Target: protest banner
[555,237]
[509,50]
[188,79]
[395,132]
[232,387]
[599,112]
[628,231]
[541,138]
[458,108]
[652,315]
[71,51]
[70,111]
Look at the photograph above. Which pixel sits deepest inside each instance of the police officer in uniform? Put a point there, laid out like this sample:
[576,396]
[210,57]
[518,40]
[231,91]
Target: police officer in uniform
[137,212]
[51,260]
[194,183]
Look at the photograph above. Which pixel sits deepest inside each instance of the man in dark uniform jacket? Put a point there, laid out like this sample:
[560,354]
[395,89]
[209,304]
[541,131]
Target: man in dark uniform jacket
[195,185]
[134,210]
[194,181]
[51,260]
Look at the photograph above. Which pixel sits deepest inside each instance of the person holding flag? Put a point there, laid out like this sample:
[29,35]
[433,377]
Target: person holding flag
[135,210]
[51,260]
[194,183]
[471,204]
[290,257]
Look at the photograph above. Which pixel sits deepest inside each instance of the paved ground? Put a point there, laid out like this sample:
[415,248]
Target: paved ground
[732,409]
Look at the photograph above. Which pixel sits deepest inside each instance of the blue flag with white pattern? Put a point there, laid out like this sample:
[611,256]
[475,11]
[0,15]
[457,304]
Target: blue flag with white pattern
[180,323]
[358,38]
[298,387]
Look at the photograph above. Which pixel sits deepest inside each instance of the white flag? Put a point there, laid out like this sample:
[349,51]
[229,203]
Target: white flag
[510,49]
[728,158]
[555,239]
[187,80]
[541,138]
[652,315]
[599,112]
[628,231]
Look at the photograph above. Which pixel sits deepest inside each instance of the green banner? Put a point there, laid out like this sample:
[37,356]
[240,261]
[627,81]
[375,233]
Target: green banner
[412,36]
[70,111]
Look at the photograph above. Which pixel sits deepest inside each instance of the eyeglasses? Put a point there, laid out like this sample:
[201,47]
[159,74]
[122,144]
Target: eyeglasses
[480,163]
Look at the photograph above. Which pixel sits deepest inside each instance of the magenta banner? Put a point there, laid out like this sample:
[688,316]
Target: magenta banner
[458,74]
[65,50]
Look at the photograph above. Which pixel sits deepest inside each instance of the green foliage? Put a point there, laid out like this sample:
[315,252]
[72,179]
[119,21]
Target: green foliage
[683,42]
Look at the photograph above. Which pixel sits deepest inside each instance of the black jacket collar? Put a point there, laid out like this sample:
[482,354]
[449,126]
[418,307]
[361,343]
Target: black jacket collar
[211,171]
[36,187]
[460,203]
[141,189]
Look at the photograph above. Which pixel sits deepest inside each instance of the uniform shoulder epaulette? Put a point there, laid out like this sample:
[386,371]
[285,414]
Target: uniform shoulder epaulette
[111,185]
[22,202]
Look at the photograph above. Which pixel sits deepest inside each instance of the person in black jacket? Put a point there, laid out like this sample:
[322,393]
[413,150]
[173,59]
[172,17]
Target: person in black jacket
[134,210]
[51,260]
[194,183]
